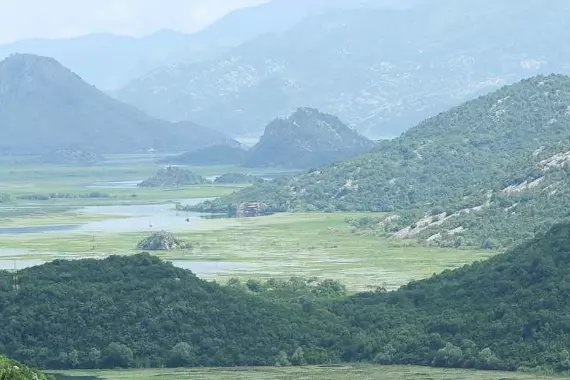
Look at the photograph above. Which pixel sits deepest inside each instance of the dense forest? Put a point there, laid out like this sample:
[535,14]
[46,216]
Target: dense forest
[477,158]
[509,312]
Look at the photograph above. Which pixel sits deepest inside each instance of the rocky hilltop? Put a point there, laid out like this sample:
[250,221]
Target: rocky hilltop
[305,139]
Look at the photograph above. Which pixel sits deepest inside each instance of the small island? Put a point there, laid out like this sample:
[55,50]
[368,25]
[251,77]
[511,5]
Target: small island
[161,241]
[172,176]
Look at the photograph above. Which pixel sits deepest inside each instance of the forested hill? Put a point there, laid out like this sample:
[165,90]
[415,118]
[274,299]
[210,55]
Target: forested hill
[509,312]
[306,139]
[44,107]
[463,159]
[139,311]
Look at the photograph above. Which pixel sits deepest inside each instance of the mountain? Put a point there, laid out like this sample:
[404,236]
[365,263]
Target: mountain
[211,155]
[111,61]
[44,107]
[172,176]
[380,70]
[494,168]
[306,139]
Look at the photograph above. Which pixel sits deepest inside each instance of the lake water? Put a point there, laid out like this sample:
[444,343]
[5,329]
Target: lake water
[138,218]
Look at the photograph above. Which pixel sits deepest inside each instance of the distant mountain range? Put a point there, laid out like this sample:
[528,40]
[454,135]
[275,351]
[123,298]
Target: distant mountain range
[111,61]
[44,107]
[489,173]
[380,70]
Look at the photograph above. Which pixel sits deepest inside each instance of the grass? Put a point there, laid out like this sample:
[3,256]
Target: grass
[308,373]
[282,245]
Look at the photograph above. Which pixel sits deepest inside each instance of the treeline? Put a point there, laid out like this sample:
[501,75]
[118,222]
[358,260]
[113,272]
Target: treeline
[509,312]
[48,196]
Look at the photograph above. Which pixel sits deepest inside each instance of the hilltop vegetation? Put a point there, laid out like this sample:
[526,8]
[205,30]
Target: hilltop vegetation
[12,370]
[305,139]
[458,163]
[237,178]
[381,71]
[44,107]
[173,176]
[140,312]
[509,312]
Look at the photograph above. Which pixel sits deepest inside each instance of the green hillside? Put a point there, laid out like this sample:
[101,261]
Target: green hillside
[458,163]
[140,312]
[509,312]
[211,155]
[44,107]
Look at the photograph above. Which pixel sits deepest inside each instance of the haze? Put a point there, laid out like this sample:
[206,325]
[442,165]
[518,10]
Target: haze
[25,19]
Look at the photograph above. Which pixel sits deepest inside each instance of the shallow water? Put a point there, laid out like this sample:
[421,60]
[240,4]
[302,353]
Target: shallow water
[115,185]
[140,218]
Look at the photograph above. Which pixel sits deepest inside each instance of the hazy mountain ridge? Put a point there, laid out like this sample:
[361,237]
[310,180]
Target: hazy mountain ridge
[45,107]
[379,70]
[306,139]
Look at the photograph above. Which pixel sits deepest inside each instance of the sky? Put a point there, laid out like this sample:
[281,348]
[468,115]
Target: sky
[22,19]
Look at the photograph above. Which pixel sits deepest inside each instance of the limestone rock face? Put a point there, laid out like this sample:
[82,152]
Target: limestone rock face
[161,241]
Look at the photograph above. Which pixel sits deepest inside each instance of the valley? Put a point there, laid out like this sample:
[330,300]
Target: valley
[277,246]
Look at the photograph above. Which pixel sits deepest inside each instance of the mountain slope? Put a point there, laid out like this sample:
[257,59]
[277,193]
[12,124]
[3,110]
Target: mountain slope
[305,139]
[454,161]
[379,70]
[111,61]
[45,107]
[509,312]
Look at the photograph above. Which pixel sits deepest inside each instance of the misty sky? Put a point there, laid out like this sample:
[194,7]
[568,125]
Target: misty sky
[21,19]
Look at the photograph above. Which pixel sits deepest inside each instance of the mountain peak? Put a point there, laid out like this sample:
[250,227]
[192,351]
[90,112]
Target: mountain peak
[306,138]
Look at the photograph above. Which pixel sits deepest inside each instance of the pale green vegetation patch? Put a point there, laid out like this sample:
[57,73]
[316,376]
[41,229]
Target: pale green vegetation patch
[280,246]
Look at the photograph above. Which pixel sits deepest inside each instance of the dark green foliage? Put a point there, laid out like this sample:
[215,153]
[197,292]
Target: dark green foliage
[307,138]
[136,311]
[44,107]
[172,176]
[508,312]
[212,155]
[237,178]
[12,370]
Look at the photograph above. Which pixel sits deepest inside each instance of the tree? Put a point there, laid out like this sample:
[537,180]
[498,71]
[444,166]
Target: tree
[181,355]
[118,355]
[282,360]
[12,374]
[298,357]
[448,356]
[94,357]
